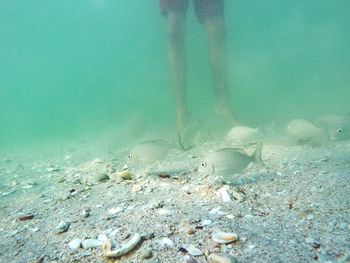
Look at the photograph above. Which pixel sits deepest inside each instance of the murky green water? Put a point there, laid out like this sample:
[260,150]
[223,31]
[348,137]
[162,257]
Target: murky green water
[70,68]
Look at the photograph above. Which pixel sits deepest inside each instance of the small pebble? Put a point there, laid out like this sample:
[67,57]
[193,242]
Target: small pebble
[26,217]
[62,227]
[147,254]
[312,242]
[75,244]
[102,178]
[85,213]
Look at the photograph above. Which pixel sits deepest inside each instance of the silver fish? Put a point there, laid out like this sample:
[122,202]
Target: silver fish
[229,161]
[148,152]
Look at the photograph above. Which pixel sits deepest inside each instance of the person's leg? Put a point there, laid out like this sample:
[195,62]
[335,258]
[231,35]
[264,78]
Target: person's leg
[211,14]
[176,15]
[178,65]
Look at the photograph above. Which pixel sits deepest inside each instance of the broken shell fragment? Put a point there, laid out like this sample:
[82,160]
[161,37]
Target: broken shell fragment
[221,258]
[224,237]
[192,250]
[124,249]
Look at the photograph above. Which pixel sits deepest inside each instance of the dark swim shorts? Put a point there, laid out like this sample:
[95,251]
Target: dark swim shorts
[203,8]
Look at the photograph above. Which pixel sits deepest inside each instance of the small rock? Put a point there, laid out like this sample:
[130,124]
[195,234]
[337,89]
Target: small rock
[62,227]
[75,244]
[61,180]
[102,178]
[217,212]
[147,254]
[312,242]
[26,217]
[85,213]
[190,231]
[165,243]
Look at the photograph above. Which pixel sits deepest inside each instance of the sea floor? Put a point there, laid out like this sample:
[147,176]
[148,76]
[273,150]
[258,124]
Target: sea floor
[295,209]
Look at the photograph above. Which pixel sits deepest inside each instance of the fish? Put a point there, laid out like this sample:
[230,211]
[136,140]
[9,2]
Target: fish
[337,127]
[148,152]
[227,162]
[304,131]
[242,135]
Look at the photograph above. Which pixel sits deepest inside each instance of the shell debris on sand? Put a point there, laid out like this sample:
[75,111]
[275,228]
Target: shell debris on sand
[224,237]
[222,258]
[124,249]
[192,250]
[224,194]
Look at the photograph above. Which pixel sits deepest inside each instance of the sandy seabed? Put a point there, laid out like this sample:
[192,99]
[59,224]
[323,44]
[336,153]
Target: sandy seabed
[295,209]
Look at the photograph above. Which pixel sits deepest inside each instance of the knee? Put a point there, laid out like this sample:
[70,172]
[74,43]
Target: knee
[216,30]
[176,30]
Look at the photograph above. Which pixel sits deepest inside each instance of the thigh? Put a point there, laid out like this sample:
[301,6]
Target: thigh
[208,8]
[167,6]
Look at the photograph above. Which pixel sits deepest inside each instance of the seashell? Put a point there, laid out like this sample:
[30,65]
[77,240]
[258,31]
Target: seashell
[192,250]
[224,237]
[91,243]
[136,188]
[125,175]
[221,258]
[124,249]
[115,210]
[224,194]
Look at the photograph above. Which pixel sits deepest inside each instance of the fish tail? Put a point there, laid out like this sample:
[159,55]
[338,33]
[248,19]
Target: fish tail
[257,154]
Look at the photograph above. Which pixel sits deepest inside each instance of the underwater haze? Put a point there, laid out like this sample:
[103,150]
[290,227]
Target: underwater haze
[71,68]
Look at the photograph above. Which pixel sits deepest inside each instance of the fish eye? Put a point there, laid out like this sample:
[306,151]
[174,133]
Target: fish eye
[204,164]
[340,130]
[129,156]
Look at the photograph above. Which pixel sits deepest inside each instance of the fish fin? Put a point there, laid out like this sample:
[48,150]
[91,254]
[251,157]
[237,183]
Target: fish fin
[256,155]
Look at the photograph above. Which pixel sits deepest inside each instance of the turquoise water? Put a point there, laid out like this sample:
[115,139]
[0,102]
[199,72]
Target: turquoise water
[70,68]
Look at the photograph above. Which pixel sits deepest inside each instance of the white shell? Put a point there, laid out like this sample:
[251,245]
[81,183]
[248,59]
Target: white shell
[224,194]
[221,258]
[224,237]
[192,250]
[92,243]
